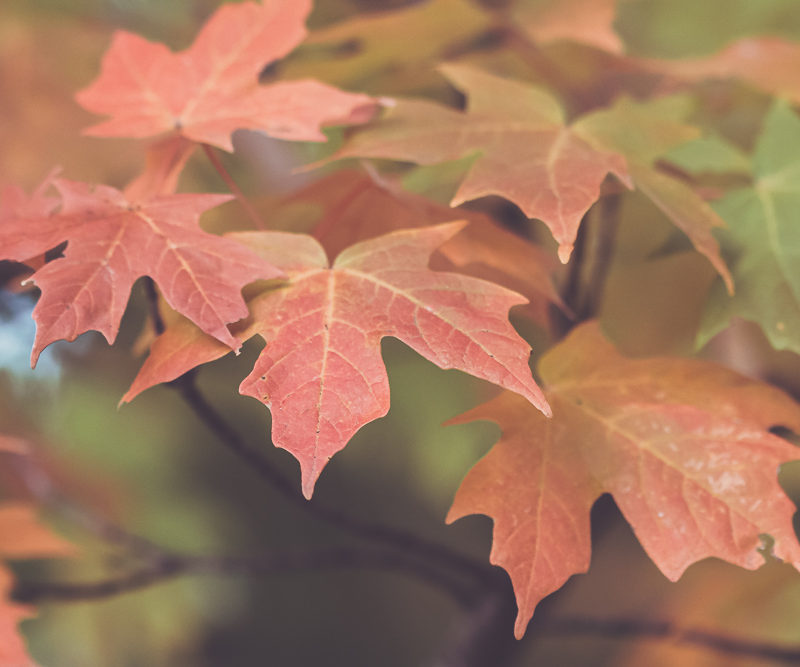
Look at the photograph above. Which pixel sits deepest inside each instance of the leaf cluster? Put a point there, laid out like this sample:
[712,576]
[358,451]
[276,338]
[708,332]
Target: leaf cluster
[523,156]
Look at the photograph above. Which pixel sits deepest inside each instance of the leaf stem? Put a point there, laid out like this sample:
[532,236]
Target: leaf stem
[235,189]
[160,564]
[333,216]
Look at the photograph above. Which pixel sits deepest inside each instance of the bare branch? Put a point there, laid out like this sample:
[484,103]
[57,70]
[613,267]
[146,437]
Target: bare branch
[636,628]
[378,534]
[168,566]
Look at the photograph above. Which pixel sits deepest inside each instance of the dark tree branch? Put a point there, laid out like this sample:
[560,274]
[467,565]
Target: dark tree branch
[167,566]
[484,633]
[604,221]
[628,628]
[385,536]
[159,564]
[473,644]
[589,264]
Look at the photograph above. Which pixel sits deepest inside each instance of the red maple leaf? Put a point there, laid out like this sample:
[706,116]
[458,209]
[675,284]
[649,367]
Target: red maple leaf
[358,205]
[15,203]
[211,89]
[682,445]
[111,243]
[525,151]
[321,372]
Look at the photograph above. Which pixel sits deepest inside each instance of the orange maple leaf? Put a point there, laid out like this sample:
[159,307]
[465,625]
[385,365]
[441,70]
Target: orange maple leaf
[682,445]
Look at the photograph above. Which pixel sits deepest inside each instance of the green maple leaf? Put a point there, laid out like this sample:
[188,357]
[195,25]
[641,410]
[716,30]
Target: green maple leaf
[763,239]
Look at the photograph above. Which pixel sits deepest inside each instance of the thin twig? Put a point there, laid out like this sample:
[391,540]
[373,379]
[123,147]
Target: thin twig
[161,564]
[590,262]
[235,189]
[604,221]
[484,634]
[168,566]
[410,544]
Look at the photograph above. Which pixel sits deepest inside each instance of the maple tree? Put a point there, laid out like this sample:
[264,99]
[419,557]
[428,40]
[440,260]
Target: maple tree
[501,200]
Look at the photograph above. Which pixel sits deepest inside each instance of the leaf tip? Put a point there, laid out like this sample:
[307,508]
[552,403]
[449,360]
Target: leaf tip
[520,626]
[308,486]
[728,280]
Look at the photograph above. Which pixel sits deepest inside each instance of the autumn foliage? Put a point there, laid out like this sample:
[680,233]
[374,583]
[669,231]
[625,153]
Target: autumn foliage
[516,160]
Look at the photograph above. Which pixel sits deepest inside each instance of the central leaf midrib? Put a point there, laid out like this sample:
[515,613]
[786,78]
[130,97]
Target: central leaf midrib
[771,224]
[614,428]
[327,320]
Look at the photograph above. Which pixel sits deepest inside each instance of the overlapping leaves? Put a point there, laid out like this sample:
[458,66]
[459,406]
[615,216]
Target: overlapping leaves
[682,445]
[110,243]
[321,372]
[763,239]
[525,151]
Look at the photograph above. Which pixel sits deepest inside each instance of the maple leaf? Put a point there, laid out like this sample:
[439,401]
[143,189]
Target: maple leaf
[111,243]
[762,239]
[211,89]
[584,21]
[682,445]
[321,372]
[643,132]
[16,203]
[358,206]
[525,151]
